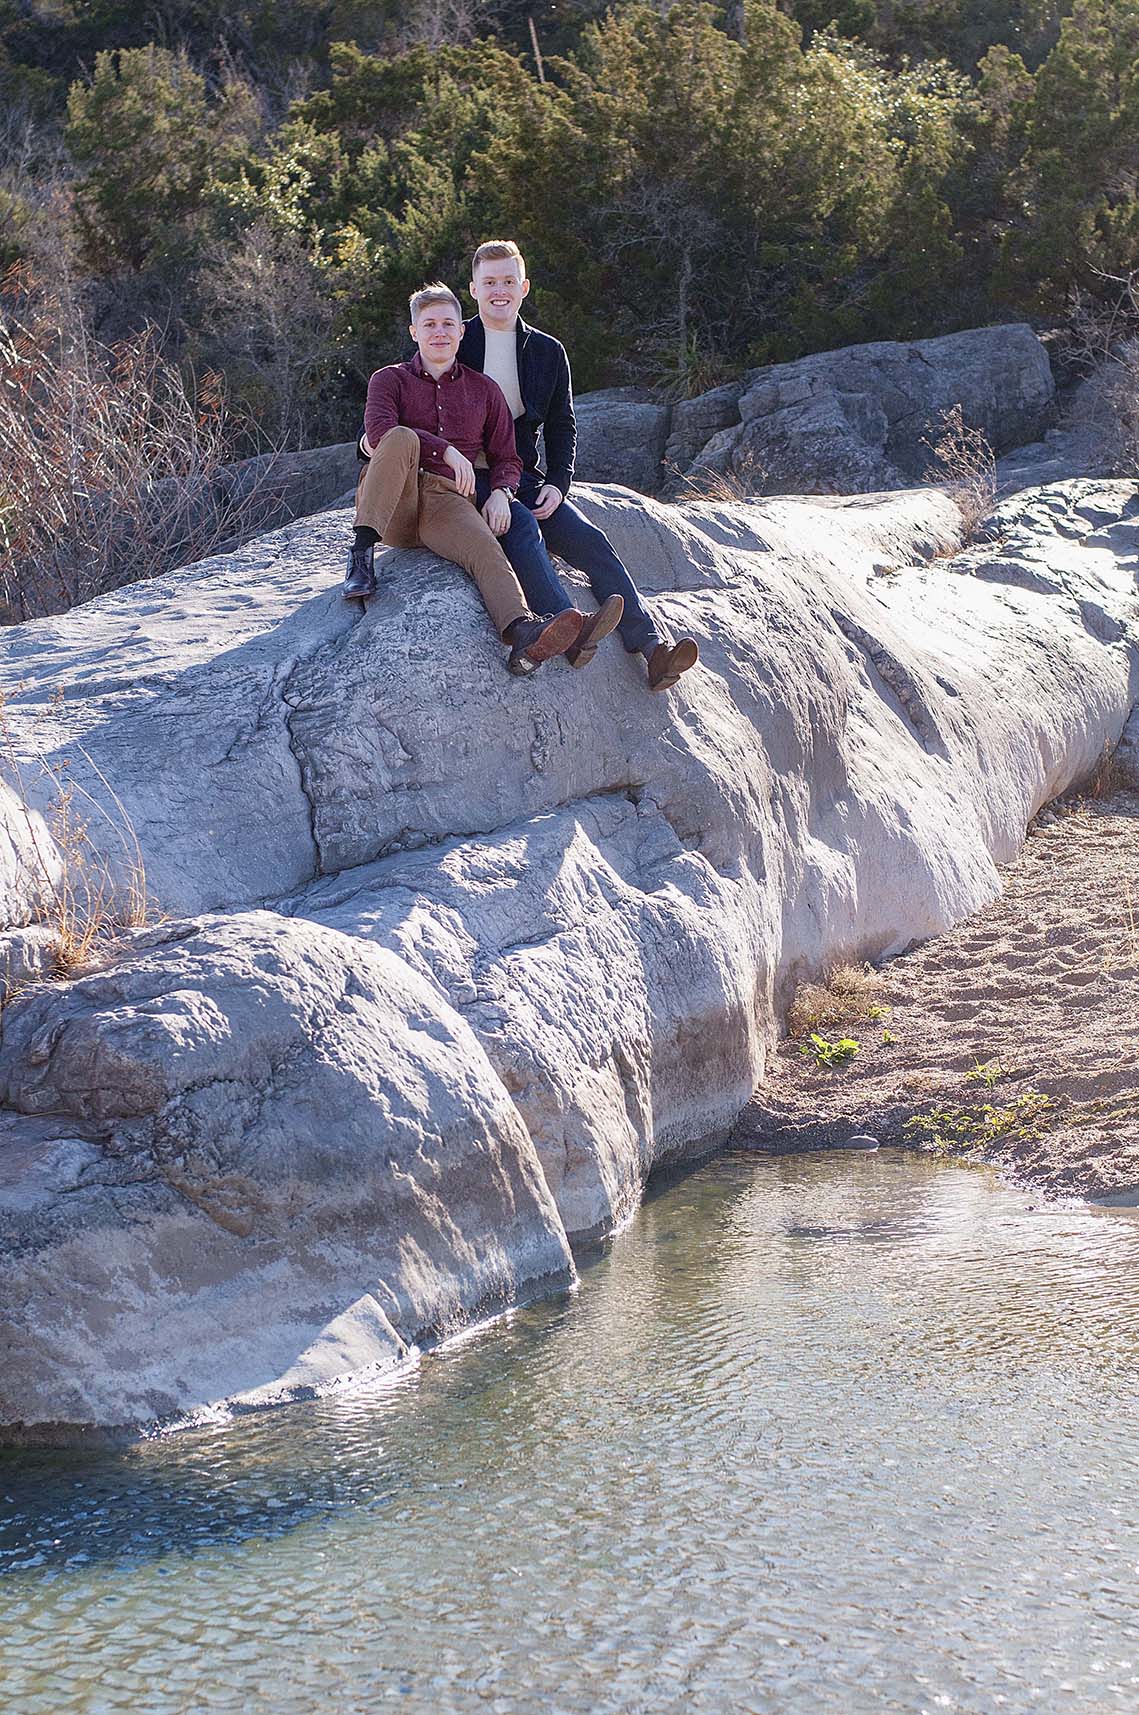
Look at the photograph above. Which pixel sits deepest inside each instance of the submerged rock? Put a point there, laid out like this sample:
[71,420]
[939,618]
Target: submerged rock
[454,960]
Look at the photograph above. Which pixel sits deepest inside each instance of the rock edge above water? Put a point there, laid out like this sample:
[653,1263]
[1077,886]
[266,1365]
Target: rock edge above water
[453,961]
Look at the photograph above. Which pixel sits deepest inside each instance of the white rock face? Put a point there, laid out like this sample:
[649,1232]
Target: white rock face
[30,864]
[255,1157]
[31,871]
[481,952]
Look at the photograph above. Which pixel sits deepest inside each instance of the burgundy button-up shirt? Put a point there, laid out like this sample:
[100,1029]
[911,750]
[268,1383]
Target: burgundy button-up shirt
[462,409]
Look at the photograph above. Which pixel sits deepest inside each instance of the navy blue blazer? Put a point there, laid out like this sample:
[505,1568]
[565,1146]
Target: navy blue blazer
[547,399]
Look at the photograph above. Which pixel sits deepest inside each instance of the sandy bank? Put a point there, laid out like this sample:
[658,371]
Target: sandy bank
[1014,1038]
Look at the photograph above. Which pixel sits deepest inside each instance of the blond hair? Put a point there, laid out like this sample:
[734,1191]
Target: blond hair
[433,293]
[498,250]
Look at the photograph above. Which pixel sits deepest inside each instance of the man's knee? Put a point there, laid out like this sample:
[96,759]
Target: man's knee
[524,527]
[398,439]
[581,543]
[593,536]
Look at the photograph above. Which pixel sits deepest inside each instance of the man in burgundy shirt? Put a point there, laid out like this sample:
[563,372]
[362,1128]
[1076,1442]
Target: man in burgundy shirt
[425,424]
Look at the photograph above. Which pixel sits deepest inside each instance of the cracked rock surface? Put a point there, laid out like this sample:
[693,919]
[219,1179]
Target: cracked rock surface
[452,960]
[858,419]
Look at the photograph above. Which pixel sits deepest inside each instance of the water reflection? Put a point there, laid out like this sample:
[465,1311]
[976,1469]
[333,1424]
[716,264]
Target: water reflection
[816,1434]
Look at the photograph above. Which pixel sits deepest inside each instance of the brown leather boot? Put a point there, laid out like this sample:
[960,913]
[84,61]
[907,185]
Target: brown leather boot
[538,639]
[668,661]
[597,625]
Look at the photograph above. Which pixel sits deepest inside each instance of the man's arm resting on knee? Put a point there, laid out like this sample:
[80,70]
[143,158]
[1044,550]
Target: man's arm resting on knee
[496,510]
[503,461]
[464,470]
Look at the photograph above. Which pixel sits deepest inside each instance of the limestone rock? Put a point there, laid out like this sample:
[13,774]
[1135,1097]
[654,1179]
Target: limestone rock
[271,489]
[853,421]
[248,1159]
[608,972]
[621,433]
[1127,755]
[1080,450]
[30,860]
[525,939]
[695,421]
[27,955]
[297,484]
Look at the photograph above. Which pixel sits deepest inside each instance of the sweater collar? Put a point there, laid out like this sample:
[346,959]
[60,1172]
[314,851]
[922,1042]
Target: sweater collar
[476,334]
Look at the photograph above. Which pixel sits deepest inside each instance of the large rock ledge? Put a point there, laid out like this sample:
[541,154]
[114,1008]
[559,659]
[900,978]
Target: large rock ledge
[452,961]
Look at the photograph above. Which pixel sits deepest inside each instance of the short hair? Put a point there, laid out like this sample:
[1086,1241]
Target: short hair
[435,292]
[498,250]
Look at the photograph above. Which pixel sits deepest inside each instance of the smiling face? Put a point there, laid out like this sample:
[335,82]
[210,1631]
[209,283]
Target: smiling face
[437,330]
[498,288]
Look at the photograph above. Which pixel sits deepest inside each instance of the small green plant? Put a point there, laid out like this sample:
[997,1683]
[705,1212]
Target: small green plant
[986,1072]
[887,1038]
[969,1131]
[825,1053]
[1027,1116]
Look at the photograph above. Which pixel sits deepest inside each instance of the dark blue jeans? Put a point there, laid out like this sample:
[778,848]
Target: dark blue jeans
[569,534]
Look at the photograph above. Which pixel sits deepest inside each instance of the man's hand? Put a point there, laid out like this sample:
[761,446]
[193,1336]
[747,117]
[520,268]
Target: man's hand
[549,499]
[463,468]
[497,511]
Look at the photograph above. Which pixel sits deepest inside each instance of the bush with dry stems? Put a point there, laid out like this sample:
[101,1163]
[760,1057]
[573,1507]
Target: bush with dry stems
[847,995]
[964,463]
[112,467]
[86,897]
[744,479]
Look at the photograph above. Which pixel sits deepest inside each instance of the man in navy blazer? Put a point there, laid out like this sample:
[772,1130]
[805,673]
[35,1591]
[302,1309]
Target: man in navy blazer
[533,372]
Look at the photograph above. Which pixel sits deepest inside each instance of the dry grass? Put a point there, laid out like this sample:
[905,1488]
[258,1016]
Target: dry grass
[1108,778]
[848,994]
[84,899]
[687,372]
[112,467]
[964,464]
[744,481]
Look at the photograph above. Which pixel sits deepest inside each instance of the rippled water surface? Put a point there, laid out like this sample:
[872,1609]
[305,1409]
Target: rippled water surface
[821,1434]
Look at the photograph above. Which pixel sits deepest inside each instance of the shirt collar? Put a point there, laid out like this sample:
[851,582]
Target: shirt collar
[418,367]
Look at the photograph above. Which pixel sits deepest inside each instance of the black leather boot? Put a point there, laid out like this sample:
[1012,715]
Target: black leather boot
[360,579]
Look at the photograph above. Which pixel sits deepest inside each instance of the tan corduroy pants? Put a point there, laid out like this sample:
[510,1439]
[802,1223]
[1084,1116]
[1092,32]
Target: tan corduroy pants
[410,510]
